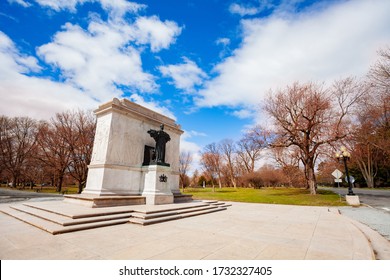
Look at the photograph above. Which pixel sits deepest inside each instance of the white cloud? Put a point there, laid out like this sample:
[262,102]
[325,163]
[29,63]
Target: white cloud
[21,2]
[223,41]
[23,95]
[244,113]
[15,61]
[59,5]
[116,8]
[105,59]
[98,60]
[151,30]
[317,45]
[152,105]
[257,7]
[96,64]
[185,76]
[242,10]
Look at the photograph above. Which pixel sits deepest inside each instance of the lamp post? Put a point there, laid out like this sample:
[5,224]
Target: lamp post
[344,155]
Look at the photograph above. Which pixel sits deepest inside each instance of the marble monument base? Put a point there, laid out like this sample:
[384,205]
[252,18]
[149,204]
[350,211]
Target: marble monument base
[157,181]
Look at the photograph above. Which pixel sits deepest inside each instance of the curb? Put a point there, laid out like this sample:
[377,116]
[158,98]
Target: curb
[337,211]
[380,246]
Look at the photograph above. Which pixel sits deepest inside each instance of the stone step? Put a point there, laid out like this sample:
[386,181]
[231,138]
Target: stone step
[169,213]
[216,202]
[153,221]
[54,228]
[77,212]
[185,214]
[169,207]
[66,221]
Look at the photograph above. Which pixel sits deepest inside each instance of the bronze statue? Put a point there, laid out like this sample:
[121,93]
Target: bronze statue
[161,138]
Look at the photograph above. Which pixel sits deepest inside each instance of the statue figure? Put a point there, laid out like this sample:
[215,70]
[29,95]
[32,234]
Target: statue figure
[161,138]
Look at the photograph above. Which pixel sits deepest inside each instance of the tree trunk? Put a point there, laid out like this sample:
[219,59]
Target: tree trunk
[367,168]
[219,182]
[311,179]
[233,180]
[59,186]
[81,187]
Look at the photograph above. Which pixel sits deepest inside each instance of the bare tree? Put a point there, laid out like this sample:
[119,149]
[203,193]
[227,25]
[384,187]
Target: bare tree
[309,116]
[214,160]
[78,130]
[379,74]
[54,150]
[288,159]
[18,138]
[185,160]
[195,178]
[228,149]
[250,147]
[207,162]
[371,138]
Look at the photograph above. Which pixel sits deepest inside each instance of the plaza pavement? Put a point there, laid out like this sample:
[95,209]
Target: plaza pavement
[242,232]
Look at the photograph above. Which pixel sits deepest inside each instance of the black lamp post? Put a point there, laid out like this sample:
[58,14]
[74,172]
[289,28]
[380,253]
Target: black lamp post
[344,155]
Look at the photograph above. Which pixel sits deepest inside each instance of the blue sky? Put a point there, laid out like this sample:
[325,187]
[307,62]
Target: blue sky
[207,63]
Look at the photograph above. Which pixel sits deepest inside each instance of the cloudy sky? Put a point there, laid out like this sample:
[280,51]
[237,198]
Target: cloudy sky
[206,63]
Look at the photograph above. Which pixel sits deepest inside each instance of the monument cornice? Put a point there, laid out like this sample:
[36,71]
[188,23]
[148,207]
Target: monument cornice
[126,107]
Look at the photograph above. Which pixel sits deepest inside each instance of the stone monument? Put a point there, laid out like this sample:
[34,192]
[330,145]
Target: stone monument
[135,158]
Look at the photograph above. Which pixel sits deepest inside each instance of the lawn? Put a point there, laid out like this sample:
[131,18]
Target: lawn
[71,189]
[291,196]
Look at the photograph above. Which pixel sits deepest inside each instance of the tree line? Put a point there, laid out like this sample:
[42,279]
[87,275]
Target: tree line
[309,123]
[46,152]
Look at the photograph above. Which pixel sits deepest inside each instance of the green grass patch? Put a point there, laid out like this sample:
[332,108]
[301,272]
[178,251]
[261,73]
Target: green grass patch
[71,189]
[290,196]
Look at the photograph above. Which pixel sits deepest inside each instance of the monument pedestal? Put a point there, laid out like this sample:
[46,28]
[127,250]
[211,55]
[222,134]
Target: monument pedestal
[157,184]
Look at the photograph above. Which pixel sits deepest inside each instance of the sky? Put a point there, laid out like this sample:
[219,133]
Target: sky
[209,64]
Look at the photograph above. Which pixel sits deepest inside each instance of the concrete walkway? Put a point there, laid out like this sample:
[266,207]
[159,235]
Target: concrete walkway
[244,232]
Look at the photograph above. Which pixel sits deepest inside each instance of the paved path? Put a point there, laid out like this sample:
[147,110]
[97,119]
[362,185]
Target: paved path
[243,232]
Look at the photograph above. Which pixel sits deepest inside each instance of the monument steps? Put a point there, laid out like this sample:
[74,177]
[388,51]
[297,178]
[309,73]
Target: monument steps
[60,217]
[55,228]
[77,211]
[67,221]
